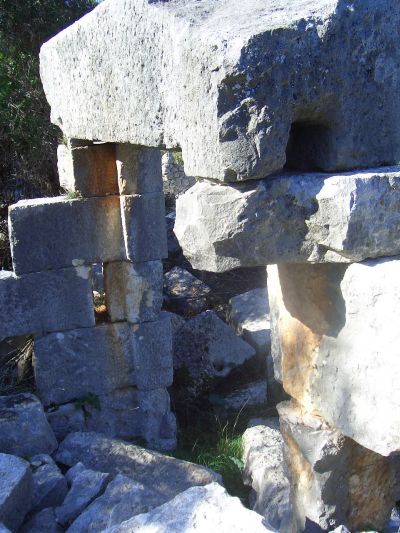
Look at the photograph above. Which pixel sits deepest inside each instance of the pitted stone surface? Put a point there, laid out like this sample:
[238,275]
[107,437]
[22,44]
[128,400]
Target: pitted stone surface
[99,360]
[51,233]
[337,348]
[24,428]
[45,301]
[316,218]
[240,75]
[15,490]
[139,169]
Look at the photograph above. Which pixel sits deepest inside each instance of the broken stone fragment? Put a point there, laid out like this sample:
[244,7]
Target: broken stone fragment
[39,230]
[45,301]
[320,459]
[250,85]
[247,397]
[184,293]
[144,228]
[133,291]
[88,170]
[15,490]
[49,485]
[24,428]
[97,361]
[333,325]
[139,169]
[42,522]
[208,508]
[316,218]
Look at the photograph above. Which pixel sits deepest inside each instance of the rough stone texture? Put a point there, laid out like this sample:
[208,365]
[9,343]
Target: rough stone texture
[86,486]
[175,181]
[317,218]
[24,428]
[246,397]
[15,490]
[99,360]
[336,348]
[208,508]
[208,348]
[42,522]
[264,472]
[184,293]
[51,233]
[320,459]
[139,169]
[167,476]
[88,170]
[241,74]
[45,301]
[123,498]
[144,229]
[49,485]
[133,292]
[65,419]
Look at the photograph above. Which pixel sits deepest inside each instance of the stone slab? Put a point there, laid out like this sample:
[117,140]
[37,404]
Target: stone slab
[88,170]
[337,346]
[144,227]
[24,428]
[52,233]
[242,73]
[49,485]
[184,293]
[42,522]
[45,301]
[139,169]
[15,490]
[316,218]
[133,291]
[99,360]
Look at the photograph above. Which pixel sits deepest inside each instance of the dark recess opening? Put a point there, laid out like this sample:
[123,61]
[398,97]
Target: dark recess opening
[307,148]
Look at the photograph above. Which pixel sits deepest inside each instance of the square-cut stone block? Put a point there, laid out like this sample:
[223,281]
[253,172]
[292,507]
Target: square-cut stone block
[139,169]
[143,220]
[133,291]
[79,363]
[45,301]
[50,233]
[88,170]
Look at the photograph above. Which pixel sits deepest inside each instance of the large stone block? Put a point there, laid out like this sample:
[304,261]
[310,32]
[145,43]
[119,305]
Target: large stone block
[88,170]
[99,360]
[139,169]
[337,349]
[24,428]
[50,233]
[49,485]
[45,301]
[144,227]
[133,291]
[247,82]
[316,218]
[335,481]
[15,490]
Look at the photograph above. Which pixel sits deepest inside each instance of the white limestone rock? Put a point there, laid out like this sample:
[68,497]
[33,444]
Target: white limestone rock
[316,218]
[337,350]
[49,485]
[139,169]
[184,293]
[42,522]
[240,74]
[15,490]
[207,509]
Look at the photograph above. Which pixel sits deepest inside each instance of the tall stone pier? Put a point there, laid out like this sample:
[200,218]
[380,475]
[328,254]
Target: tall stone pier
[289,115]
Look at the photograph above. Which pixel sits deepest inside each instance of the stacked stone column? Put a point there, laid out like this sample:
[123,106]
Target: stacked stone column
[110,375]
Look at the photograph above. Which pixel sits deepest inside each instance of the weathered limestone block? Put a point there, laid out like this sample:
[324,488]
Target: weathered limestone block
[246,81]
[15,490]
[88,170]
[144,228]
[45,301]
[334,480]
[240,399]
[49,485]
[139,169]
[24,428]
[168,475]
[317,218]
[51,233]
[337,350]
[99,360]
[208,508]
[42,522]
[133,291]
[184,293]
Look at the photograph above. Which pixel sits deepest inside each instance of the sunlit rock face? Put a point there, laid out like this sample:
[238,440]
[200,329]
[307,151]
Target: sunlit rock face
[243,87]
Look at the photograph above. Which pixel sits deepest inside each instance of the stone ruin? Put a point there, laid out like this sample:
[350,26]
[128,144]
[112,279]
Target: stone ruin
[288,113]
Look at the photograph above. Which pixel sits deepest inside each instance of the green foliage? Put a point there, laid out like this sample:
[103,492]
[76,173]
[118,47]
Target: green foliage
[87,401]
[27,139]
